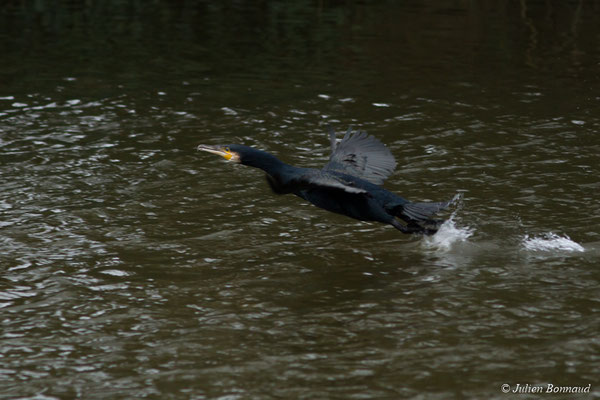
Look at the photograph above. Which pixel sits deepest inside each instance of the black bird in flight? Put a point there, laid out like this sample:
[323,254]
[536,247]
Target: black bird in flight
[348,184]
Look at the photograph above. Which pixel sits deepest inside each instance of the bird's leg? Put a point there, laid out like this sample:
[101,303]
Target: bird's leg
[435,222]
[412,228]
[403,228]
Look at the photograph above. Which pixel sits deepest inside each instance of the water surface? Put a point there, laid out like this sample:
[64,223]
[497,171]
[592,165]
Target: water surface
[133,266]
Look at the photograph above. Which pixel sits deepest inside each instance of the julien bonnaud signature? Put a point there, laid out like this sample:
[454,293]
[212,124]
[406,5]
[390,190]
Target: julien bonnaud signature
[547,388]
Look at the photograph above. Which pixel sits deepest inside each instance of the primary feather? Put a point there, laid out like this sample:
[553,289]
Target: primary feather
[361,155]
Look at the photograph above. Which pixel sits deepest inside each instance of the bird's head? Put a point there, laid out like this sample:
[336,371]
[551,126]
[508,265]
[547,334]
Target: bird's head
[231,152]
[245,155]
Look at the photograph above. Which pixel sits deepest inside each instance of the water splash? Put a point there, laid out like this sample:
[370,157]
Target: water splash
[448,235]
[551,242]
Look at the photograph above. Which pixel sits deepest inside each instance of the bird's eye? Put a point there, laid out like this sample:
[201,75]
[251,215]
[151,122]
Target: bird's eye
[227,149]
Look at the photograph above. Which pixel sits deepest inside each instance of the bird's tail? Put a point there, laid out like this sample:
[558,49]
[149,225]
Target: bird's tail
[421,213]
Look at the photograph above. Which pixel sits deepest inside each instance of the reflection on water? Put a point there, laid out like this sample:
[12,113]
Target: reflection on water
[133,266]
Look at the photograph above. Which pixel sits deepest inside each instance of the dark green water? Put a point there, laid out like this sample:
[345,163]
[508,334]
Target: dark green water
[132,266]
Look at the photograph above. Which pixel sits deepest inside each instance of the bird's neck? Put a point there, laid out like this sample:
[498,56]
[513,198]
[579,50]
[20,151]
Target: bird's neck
[267,162]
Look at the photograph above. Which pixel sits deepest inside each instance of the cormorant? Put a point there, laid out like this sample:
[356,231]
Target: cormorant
[348,184]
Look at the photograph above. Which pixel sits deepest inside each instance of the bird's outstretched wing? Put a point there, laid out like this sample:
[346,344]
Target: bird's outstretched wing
[360,155]
[319,179]
[312,179]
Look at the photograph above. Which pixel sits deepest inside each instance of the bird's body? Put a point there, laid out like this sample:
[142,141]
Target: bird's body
[375,206]
[349,184]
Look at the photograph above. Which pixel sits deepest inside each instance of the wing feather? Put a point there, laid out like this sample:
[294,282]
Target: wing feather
[312,179]
[361,155]
[320,179]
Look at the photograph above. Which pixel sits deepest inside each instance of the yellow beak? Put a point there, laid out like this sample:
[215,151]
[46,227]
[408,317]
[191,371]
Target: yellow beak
[220,151]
